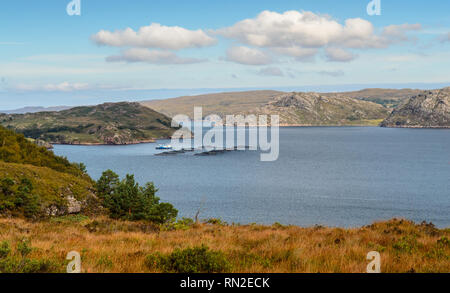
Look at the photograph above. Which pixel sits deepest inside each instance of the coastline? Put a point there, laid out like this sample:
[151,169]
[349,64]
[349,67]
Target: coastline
[281,126]
[111,144]
[418,127]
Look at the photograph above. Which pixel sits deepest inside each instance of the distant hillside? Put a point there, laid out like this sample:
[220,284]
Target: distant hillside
[318,110]
[429,109]
[34,182]
[390,98]
[35,110]
[293,108]
[241,102]
[221,103]
[110,123]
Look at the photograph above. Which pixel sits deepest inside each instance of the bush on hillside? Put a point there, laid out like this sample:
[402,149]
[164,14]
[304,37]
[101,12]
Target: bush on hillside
[189,261]
[20,262]
[127,200]
[15,148]
[19,197]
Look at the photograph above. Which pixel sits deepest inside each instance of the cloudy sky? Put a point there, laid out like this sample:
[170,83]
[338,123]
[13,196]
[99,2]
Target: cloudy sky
[136,50]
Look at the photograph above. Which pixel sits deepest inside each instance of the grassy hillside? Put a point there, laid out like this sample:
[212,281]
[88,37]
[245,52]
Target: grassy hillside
[389,98]
[110,123]
[136,247]
[15,148]
[51,188]
[34,182]
[353,108]
[220,103]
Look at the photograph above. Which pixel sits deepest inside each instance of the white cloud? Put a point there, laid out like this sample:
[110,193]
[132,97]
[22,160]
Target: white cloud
[61,87]
[155,36]
[303,34]
[399,32]
[247,56]
[292,28]
[339,55]
[151,56]
[271,71]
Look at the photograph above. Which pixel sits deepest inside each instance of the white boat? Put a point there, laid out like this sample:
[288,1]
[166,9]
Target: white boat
[164,147]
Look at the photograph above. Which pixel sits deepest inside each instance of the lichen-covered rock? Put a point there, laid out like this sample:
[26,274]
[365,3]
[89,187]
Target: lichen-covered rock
[430,109]
[73,205]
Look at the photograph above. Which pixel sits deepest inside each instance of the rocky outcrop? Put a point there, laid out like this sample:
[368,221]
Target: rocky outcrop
[89,205]
[429,109]
[44,144]
[316,110]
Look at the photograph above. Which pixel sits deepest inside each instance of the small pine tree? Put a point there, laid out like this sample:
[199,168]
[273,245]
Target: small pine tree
[128,201]
[106,184]
[28,201]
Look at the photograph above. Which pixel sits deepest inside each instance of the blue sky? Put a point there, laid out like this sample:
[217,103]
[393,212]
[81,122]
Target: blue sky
[50,58]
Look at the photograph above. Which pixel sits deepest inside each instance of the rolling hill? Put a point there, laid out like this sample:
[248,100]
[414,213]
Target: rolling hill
[221,103]
[25,110]
[305,109]
[389,98]
[429,109]
[35,183]
[109,123]
[313,109]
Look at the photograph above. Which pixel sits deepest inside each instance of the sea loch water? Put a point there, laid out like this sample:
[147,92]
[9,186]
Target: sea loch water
[346,176]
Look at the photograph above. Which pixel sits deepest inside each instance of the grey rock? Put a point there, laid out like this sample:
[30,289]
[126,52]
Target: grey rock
[429,109]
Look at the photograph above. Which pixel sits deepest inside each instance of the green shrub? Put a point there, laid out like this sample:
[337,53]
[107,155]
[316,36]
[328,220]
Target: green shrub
[182,224]
[69,219]
[24,247]
[189,260]
[28,201]
[218,222]
[443,242]
[277,225]
[128,201]
[5,250]
[14,265]
[21,263]
[15,148]
[19,197]
[406,244]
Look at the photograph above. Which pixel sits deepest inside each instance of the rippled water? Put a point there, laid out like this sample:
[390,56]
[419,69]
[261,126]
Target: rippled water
[347,176]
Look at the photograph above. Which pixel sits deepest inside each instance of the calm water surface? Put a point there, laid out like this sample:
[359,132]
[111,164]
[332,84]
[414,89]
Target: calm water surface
[348,176]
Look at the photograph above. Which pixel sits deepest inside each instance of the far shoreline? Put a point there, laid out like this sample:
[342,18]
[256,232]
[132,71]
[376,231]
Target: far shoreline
[153,141]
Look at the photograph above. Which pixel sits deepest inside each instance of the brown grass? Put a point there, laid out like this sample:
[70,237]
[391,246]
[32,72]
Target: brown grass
[121,247]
